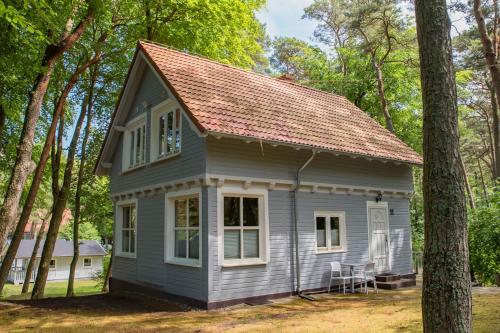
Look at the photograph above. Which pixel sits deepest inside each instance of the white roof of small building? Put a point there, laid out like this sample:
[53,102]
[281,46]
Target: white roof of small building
[63,248]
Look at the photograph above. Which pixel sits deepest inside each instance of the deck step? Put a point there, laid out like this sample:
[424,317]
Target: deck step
[387,277]
[391,285]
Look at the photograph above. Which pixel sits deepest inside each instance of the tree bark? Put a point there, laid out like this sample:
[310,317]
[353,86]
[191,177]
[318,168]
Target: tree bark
[81,170]
[105,286]
[381,94]
[490,49]
[446,292]
[467,184]
[493,135]
[483,185]
[3,118]
[38,176]
[24,165]
[31,263]
[58,207]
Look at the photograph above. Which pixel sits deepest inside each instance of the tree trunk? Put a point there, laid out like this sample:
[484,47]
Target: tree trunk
[58,207]
[105,286]
[491,56]
[76,245]
[38,176]
[3,118]
[446,292]
[493,135]
[31,263]
[381,94]
[467,184]
[23,165]
[483,185]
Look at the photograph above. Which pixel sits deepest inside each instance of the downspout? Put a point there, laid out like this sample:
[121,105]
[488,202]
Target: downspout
[298,289]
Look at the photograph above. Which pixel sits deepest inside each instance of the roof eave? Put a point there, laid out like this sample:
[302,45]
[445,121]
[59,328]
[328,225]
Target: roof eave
[353,155]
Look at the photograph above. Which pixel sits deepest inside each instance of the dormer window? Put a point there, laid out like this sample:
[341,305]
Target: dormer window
[166,131]
[135,143]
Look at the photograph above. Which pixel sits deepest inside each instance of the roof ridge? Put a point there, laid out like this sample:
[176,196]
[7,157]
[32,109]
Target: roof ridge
[204,58]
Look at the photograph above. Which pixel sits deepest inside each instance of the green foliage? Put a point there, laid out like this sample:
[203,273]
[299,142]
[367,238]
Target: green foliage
[484,240]
[100,277]
[87,231]
[224,30]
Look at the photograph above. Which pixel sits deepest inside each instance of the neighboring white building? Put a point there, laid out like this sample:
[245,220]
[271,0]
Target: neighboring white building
[89,261]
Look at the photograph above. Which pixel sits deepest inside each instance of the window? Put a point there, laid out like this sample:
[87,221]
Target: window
[330,231]
[166,131]
[52,264]
[135,143]
[243,227]
[183,228]
[126,228]
[87,262]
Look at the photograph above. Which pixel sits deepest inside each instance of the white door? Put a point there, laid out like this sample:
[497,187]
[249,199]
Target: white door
[378,228]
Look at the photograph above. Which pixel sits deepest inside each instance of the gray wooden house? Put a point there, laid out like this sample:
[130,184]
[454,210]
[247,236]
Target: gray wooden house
[212,167]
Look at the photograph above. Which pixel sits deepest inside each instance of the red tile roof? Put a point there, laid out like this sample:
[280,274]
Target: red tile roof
[225,100]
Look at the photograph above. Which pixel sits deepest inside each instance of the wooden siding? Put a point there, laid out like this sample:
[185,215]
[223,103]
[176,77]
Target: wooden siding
[237,158]
[149,267]
[278,275]
[190,162]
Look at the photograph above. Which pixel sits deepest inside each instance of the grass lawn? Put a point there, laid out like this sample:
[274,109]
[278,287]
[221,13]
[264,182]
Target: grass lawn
[388,311]
[53,289]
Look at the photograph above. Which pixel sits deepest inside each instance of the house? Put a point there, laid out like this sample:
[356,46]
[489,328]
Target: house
[89,261]
[231,186]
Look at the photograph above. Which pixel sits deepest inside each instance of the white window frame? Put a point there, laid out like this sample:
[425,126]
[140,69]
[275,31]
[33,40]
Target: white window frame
[119,227]
[169,245]
[163,109]
[55,264]
[342,232]
[83,262]
[131,127]
[264,247]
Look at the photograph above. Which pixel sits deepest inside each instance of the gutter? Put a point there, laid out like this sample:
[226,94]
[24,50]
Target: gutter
[298,289]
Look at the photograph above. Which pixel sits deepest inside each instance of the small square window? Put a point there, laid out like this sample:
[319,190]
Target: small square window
[52,264]
[87,262]
[330,231]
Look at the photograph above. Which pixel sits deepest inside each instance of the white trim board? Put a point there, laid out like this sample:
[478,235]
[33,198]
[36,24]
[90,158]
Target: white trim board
[257,183]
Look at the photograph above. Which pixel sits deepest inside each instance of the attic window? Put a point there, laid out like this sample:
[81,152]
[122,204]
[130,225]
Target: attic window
[134,149]
[166,132]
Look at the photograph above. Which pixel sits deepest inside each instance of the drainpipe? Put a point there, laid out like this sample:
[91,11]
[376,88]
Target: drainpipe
[296,229]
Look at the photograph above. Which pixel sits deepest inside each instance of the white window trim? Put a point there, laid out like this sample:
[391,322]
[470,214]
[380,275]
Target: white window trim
[170,224]
[264,248]
[380,204]
[91,263]
[118,228]
[55,264]
[132,125]
[342,225]
[166,106]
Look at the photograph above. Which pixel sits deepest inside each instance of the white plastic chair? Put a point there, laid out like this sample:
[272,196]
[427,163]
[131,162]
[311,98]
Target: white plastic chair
[337,274]
[369,275]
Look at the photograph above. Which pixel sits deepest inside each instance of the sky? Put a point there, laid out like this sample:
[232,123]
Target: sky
[283,18]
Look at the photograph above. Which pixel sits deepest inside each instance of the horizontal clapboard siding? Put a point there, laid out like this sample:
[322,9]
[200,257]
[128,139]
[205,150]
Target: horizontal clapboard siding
[149,268]
[278,275]
[237,158]
[190,162]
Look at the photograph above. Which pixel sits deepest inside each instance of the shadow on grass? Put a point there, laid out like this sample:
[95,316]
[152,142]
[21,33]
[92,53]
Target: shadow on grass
[101,304]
